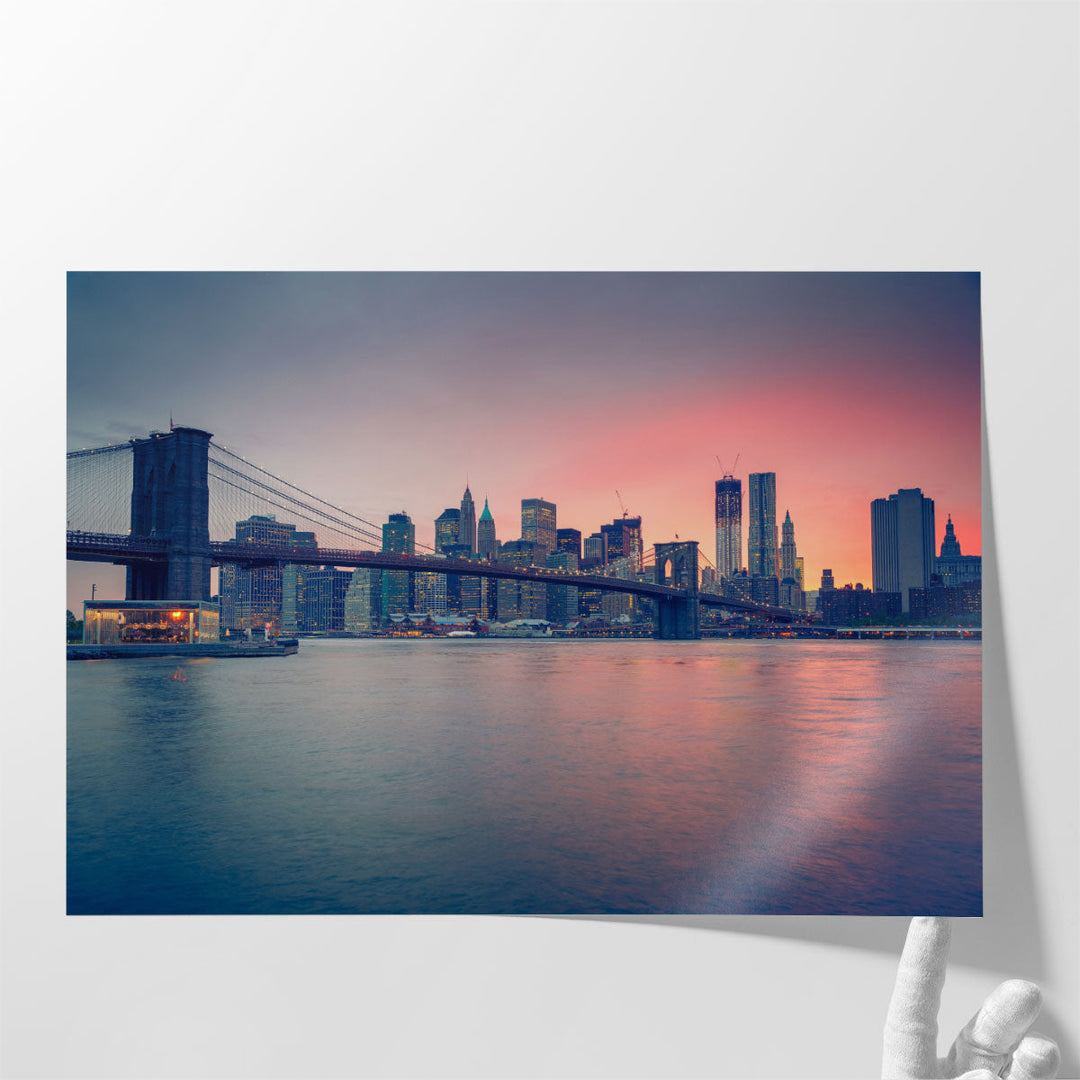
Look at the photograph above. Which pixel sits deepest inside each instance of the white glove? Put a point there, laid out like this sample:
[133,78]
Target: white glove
[994,1043]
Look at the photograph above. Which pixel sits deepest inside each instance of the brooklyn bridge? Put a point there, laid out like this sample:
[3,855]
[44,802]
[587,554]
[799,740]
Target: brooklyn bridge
[166,507]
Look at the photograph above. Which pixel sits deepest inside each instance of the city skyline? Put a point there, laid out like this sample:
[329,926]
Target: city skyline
[845,386]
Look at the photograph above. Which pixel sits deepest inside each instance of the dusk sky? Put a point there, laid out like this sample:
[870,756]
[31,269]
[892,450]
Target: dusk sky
[383,392]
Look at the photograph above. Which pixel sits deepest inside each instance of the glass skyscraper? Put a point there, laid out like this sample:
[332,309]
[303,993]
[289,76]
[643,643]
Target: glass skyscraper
[902,542]
[761,542]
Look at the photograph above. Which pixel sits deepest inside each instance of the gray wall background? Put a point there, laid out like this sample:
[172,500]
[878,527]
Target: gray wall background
[542,136]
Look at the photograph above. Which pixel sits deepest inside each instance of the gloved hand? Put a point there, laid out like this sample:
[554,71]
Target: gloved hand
[996,1041]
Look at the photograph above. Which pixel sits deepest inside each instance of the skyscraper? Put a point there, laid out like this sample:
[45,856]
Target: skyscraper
[467,520]
[486,544]
[787,550]
[399,538]
[623,540]
[728,526]
[761,542]
[538,527]
[902,543]
[448,528]
[569,540]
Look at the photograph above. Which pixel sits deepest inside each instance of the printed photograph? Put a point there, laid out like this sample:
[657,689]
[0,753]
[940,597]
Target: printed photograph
[524,593]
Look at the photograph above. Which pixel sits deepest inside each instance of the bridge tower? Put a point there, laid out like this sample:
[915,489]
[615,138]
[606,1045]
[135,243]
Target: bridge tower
[677,565]
[170,499]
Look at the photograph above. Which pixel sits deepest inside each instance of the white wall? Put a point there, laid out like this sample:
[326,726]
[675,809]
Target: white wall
[598,136]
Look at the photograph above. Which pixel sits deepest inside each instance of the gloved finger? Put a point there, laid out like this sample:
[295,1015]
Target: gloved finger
[911,1026]
[1036,1058]
[992,1034]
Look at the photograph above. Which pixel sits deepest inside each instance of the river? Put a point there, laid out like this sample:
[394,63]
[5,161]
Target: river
[530,776]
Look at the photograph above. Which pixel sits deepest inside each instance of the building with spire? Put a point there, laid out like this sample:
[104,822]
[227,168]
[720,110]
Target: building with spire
[788,553]
[467,520]
[952,565]
[486,544]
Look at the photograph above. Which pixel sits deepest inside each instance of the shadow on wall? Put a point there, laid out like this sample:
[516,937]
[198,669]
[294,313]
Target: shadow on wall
[1009,938]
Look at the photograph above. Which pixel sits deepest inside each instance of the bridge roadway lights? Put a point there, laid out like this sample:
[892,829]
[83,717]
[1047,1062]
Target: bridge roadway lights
[170,500]
[677,565]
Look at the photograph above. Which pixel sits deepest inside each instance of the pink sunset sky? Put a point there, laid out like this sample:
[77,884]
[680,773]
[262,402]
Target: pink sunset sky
[385,392]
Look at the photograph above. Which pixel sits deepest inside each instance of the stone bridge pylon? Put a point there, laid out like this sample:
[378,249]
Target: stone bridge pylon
[677,566]
[170,500]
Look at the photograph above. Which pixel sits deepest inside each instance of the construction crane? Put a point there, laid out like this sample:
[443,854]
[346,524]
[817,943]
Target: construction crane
[625,512]
[731,471]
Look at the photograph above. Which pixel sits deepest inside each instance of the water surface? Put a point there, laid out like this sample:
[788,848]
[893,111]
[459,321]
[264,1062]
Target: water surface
[723,776]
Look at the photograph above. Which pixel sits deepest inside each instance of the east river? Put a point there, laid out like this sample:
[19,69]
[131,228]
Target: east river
[722,776]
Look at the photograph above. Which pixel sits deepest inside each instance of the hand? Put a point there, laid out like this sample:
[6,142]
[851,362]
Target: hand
[994,1043]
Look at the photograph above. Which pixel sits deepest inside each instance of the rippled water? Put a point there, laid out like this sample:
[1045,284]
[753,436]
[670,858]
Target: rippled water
[530,776]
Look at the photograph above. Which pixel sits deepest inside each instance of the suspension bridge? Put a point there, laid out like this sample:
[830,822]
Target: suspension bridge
[167,507]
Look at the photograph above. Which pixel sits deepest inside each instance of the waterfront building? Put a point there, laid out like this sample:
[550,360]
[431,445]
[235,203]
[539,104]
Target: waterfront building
[791,596]
[616,604]
[150,622]
[940,604]
[902,543]
[399,538]
[520,599]
[952,566]
[765,589]
[467,521]
[761,540]
[569,540]
[324,599]
[788,554]
[486,544]
[447,529]
[850,606]
[251,596]
[429,593]
[728,526]
[737,586]
[363,600]
[562,600]
[538,527]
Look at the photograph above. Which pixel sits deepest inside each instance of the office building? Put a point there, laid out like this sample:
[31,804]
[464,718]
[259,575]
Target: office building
[538,527]
[520,599]
[324,599]
[399,538]
[251,596]
[429,593]
[761,539]
[363,600]
[467,521]
[569,540]
[595,550]
[728,526]
[486,543]
[902,543]
[623,540]
[447,529]
[562,600]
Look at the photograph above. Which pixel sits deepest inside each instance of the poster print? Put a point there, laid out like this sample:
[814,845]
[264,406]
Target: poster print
[524,593]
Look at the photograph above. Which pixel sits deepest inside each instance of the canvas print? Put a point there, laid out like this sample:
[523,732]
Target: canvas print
[470,593]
